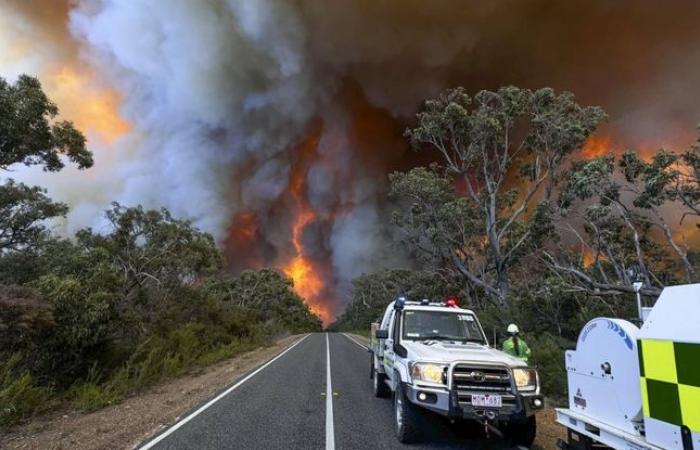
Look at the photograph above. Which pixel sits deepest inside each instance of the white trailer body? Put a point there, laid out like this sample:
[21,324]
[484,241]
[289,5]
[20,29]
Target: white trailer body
[632,388]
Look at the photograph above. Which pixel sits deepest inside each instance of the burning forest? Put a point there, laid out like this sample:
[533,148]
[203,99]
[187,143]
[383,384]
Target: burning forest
[273,125]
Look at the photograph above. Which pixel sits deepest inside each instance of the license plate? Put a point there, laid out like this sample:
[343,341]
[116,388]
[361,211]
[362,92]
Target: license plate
[488,400]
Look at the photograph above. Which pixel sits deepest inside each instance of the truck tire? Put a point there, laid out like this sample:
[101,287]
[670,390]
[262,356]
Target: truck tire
[407,420]
[522,433]
[379,386]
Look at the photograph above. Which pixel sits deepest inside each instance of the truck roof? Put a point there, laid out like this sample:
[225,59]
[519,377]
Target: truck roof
[415,306]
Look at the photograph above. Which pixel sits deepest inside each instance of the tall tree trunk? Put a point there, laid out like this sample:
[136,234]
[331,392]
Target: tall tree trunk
[502,284]
[682,254]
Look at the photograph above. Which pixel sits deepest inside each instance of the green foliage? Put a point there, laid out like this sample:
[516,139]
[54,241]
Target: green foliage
[621,201]
[161,357]
[19,396]
[589,178]
[434,219]
[87,397]
[688,187]
[25,318]
[28,133]
[372,293]
[195,327]
[151,248]
[23,212]
[83,319]
[548,358]
[28,264]
[270,294]
[82,350]
[506,147]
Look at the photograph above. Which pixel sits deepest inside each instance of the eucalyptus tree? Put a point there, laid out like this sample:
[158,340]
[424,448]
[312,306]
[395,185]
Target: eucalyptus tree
[30,135]
[506,148]
[625,208]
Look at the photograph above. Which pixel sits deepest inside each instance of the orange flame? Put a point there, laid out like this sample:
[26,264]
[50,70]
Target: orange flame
[597,146]
[604,144]
[589,257]
[245,228]
[308,282]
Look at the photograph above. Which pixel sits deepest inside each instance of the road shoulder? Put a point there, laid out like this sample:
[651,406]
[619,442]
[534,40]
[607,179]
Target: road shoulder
[130,422]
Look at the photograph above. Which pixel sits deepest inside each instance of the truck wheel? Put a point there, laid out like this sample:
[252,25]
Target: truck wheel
[522,433]
[407,420]
[381,390]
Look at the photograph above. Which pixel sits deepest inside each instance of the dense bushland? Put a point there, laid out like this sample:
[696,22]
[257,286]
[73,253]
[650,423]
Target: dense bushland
[86,330]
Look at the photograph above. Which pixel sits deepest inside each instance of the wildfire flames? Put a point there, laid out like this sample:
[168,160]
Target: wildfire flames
[244,241]
[609,143]
[301,269]
[597,146]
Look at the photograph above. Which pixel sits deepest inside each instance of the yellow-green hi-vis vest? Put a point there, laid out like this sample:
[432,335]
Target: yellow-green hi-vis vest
[670,382]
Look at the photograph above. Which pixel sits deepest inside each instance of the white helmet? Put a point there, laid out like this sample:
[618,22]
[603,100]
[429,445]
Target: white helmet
[513,329]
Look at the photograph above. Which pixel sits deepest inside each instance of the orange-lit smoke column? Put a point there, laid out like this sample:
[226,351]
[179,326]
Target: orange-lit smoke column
[307,278]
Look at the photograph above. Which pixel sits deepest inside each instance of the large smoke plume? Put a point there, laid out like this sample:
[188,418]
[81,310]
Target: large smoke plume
[245,115]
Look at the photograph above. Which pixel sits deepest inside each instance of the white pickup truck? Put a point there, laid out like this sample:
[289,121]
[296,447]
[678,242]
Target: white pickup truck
[435,357]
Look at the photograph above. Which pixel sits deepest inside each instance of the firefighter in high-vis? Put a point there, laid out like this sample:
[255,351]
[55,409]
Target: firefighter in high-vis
[514,345]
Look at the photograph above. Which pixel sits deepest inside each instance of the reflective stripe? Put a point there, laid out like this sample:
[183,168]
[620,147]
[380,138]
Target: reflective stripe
[670,382]
[660,361]
[645,397]
[690,406]
[688,363]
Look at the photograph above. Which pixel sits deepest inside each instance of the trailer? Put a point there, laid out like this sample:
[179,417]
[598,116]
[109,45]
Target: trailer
[636,388]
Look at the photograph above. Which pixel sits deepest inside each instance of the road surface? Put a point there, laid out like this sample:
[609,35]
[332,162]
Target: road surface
[285,404]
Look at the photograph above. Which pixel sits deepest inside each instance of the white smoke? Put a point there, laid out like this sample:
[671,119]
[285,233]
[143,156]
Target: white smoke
[211,86]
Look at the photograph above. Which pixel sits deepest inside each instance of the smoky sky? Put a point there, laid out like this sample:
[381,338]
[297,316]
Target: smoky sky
[222,94]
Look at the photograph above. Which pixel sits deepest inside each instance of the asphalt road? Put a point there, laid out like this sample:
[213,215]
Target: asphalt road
[284,404]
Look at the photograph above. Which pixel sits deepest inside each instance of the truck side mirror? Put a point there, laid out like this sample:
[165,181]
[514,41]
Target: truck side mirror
[381,334]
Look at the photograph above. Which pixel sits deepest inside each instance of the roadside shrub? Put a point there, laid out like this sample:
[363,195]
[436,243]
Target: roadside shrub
[159,358]
[83,317]
[25,318]
[19,396]
[88,397]
[548,356]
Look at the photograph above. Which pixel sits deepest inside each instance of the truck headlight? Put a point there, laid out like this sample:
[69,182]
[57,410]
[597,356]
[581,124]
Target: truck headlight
[525,379]
[430,372]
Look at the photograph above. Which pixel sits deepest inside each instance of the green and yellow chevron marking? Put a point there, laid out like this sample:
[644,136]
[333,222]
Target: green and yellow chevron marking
[670,382]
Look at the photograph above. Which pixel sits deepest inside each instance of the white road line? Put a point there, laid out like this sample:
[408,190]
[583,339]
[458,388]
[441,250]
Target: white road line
[361,345]
[177,425]
[330,434]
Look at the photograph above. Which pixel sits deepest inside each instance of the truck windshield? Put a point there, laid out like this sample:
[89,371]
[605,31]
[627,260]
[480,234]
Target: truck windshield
[441,325]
